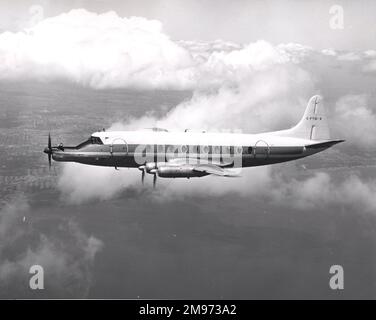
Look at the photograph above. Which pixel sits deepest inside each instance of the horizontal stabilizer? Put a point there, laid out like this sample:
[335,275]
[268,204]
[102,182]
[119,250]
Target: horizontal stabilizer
[325,144]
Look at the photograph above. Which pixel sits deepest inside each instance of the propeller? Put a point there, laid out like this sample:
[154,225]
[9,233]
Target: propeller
[154,172]
[48,150]
[154,179]
[143,170]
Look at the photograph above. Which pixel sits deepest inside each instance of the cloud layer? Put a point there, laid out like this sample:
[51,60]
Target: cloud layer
[66,255]
[355,119]
[99,50]
[106,51]
[278,185]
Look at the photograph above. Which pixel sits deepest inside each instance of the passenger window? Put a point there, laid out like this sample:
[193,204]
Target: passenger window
[216,150]
[204,149]
[226,150]
[238,150]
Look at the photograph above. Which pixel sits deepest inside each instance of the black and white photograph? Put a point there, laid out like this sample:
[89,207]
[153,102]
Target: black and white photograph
[159,150]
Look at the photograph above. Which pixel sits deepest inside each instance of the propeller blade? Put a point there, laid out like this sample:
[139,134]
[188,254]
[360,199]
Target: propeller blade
[48,150]
[143,176]
[154,180]
[49,142]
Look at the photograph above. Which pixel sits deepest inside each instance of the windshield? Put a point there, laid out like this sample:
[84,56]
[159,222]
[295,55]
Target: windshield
[91,140]
[96,140]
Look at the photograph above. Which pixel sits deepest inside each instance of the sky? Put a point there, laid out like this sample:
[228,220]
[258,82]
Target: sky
[245,66]
[242,21]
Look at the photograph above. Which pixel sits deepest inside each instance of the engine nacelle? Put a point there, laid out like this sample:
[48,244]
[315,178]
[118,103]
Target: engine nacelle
[178,172]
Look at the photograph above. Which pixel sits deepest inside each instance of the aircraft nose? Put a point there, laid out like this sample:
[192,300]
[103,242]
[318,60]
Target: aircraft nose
[47,150]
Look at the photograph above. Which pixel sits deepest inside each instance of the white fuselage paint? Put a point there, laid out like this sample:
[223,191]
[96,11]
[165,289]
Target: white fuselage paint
[197,138]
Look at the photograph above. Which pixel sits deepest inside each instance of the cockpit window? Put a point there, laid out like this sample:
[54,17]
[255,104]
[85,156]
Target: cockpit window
[91,140]
[96,140]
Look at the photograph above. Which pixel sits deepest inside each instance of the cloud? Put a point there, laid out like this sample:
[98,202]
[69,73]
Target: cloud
[80,183]
[105,50]
[254,97]
[353,119]
[108,51]
[349,56]
[99,50]
[256,56]
[370,53]
[66,255]
[329,52]
[102,184]
[279,185]
[370,67]
[320,191]
[262,102]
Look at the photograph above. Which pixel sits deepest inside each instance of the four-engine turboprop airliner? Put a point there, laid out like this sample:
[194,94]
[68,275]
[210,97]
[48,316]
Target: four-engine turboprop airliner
[195,154]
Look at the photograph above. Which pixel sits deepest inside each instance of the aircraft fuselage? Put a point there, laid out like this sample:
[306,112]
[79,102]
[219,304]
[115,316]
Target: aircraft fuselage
[135,148]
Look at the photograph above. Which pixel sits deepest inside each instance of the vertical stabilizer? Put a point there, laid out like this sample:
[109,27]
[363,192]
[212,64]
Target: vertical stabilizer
[313,125]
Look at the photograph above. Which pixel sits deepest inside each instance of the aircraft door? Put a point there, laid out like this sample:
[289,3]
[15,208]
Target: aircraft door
[119,147]
[261,150]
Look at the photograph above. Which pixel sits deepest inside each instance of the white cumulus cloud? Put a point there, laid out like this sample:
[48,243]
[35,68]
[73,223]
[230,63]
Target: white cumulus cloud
[100,50]
[354,119]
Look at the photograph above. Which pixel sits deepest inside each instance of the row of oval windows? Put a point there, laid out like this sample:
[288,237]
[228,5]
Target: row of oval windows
[201,149]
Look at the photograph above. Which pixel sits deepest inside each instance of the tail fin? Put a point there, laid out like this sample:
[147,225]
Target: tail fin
[313,125]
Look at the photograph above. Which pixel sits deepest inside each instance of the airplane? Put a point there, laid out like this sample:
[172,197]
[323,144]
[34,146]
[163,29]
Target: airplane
[187,154]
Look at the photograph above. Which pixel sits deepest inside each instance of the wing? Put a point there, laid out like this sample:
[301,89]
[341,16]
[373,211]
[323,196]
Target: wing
[215,170]
[198,162]
[202,165]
